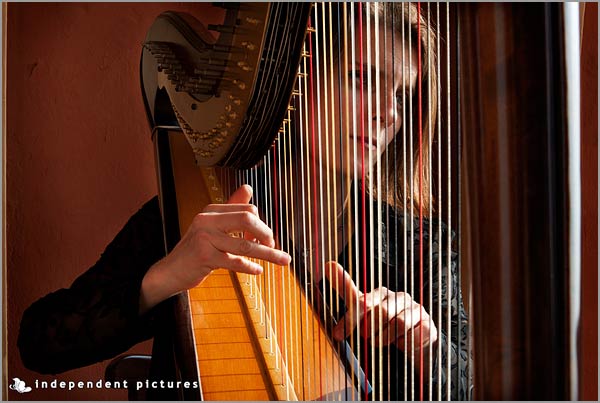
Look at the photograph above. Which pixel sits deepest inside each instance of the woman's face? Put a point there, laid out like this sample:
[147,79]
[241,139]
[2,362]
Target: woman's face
[369,117]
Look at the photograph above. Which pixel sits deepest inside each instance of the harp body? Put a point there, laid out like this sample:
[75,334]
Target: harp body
[224,322]
[239,356]
[508,131]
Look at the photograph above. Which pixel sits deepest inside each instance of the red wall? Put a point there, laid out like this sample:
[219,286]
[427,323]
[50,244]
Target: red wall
[79,159]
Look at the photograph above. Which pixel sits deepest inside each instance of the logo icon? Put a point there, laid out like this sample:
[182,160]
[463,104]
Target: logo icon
[20,386]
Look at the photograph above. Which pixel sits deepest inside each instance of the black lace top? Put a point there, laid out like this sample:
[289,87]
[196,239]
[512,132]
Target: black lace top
[399,381]
[97,317]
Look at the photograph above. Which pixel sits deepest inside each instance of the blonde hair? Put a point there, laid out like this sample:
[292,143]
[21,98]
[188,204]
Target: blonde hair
[396,190]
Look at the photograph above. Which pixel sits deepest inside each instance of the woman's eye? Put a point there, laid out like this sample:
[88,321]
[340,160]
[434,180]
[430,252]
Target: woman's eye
[356,75]
[399,101]
[402,99]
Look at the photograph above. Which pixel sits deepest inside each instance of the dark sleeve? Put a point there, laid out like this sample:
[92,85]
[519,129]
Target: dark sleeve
[452,345]
[97,317]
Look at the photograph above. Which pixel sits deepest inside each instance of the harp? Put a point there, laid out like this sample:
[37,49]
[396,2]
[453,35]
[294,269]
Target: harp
[238,106]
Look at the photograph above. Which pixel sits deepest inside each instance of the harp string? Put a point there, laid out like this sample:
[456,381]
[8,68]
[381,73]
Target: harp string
[328,115]
[255,290]
[420,168]
[287,193]
[277,219]
[306,216]
[458,153]
[317,210]
[404,192]
[297,182]
[412,212]
[363,194]
[296,308]
[440,204]
[258,283]
[375,137]
[266,278]
[283,224]
[269,276]
[387,107]
[340,227]
[300,188]
[296,365]
[395,184]
[306,211]
[252,280]
[351,99]
[369,177]
[369,320]
[289,197]
[372,114]
[430,210]
[449,209]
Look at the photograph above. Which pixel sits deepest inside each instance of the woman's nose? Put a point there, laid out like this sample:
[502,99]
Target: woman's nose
[387,114]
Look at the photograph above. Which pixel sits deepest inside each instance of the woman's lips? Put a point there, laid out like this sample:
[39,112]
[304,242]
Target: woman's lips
[365,141]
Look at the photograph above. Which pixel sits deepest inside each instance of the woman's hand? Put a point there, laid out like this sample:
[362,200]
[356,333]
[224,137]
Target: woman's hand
[402,318]
[208,244]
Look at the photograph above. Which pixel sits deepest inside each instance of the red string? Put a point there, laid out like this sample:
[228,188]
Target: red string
[314,166]
[363,194]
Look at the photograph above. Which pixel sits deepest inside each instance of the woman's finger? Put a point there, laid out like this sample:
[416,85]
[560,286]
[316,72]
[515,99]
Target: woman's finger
[410,324]
[356,312]
[236,263]
[230,208]
[411,340]
[242,195]
[386,336]
[375,298]
[245,248]
[425,327]
[380,307]
[342,282]
[218,209]
[391,305]
[387,309]
[403,339]
[237,222]
[409,318]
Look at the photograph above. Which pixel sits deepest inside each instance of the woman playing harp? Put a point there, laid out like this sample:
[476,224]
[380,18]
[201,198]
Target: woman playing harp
[110,307]
[360,238]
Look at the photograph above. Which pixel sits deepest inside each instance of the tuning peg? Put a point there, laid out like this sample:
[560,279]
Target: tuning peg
[221,48]
[224,29]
